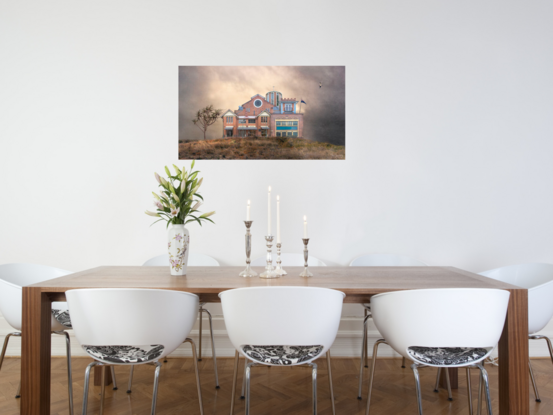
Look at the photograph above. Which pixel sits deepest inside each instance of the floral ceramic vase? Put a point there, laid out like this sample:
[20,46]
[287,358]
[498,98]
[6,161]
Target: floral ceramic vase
[178,245]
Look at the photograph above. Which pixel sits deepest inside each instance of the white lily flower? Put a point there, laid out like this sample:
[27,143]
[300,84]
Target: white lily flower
[158,178]
[207,215]
[174,211]
[197,205]
[156,215]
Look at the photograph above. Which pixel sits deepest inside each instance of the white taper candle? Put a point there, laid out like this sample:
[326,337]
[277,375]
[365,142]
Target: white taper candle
[248,211]
[305,227]
[278,219]
[269,212]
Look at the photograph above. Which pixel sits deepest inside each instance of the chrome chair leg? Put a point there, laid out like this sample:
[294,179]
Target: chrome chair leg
[417,386]
[314,382]
[156,384]
[366,339]
[200,335]
[330,382]
[86,386]
[113,378]
[371,378]
[195,358]
[469,390]
[234,378]
[4,348]
[243,394]
[103,390]
[129,390]
[548,340]
[533,381]
[363,356]
[213,348]
[448,383]
[480,384]
[437,386]
[69,376]
[247,377]
[484,374]
[449,395]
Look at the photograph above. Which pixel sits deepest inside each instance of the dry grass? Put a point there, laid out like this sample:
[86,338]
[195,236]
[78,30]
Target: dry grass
[258,148]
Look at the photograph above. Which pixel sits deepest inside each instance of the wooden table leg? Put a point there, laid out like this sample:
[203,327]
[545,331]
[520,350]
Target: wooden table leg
[35,352]
[98,376]
[514,390]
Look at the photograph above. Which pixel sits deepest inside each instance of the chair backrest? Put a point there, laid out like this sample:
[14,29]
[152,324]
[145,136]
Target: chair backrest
[13,277]
[449,317]
[282,316]
[385,260]
[538,279]
[194,260]
[132,317]
[289,260]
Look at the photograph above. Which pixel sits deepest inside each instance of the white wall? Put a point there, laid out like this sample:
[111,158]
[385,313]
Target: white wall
[448,131]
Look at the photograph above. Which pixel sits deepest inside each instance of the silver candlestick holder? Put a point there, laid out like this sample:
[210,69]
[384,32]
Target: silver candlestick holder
[278,268]
[248,272]
[305,273]
[269,269]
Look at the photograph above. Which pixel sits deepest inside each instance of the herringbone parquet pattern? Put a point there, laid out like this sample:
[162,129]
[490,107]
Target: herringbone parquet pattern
[275,391]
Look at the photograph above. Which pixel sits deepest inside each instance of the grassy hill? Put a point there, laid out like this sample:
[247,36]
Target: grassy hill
[260,148]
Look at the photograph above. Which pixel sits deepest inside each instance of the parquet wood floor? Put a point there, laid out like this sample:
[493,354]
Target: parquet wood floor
[275,391]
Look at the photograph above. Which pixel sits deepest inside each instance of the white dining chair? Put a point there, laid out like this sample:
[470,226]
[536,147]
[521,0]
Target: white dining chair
[13,277]
[290,260]
[282,326]
[411,326]
[538,279]
[195,259]
[381,260]
[144,326]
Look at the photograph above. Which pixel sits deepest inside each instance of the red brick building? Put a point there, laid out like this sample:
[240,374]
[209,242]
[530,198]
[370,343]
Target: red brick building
[269,116]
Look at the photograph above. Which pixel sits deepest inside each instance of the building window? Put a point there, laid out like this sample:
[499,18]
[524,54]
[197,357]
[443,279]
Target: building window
[251,121]
[229,133]
[294,134]
[242,121]
[295,123]
[278,134]
[264,119]
[288,107]
[257,103]
[229,120]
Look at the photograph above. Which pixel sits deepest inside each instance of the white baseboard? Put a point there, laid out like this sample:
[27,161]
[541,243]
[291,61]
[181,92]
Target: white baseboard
[347,344]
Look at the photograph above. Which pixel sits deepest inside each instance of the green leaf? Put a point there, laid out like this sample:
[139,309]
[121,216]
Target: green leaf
[192,165]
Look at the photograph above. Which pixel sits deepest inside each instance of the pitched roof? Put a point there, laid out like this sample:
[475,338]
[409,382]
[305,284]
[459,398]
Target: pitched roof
[227,111]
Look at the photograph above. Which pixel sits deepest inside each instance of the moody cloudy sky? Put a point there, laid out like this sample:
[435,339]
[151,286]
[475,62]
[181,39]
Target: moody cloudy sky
[227,87]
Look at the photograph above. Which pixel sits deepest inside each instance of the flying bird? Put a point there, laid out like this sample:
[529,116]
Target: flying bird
[320,84]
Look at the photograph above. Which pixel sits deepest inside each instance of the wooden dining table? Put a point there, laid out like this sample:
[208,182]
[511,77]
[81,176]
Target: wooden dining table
[358,283]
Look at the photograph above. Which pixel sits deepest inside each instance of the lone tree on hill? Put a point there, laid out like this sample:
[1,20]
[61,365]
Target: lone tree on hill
[206,117]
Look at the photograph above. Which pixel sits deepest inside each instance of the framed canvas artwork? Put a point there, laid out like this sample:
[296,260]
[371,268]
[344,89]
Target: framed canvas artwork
[262,112]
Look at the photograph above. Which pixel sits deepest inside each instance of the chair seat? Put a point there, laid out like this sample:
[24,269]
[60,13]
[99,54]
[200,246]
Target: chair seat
[282,355]
[125,354]
[62,317]
[446,356]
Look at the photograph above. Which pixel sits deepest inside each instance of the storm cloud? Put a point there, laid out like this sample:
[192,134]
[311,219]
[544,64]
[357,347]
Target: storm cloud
[227,87]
